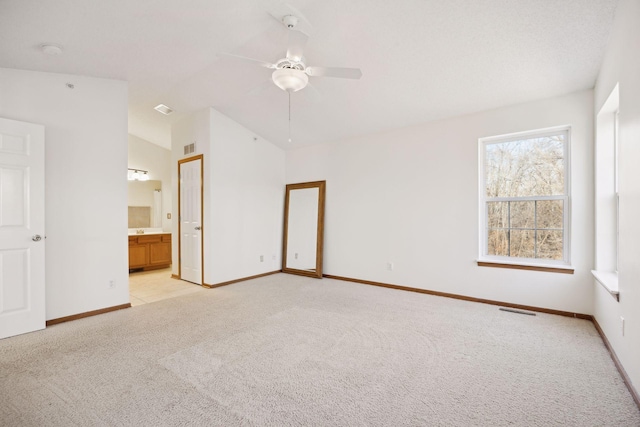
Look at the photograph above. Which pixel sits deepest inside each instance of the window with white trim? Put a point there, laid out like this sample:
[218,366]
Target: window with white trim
[524,197]
[607,193]
[616,141]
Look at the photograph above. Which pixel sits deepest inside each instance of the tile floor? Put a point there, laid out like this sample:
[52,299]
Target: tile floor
[156,285]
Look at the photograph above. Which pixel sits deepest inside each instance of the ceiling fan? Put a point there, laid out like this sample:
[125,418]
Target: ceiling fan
[291,73]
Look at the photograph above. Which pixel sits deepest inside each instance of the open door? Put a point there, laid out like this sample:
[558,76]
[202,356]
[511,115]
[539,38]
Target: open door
[190,219]
[22,291]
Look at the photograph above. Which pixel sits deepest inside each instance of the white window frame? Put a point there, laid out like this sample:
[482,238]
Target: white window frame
[606,193]
[566,197]
[616,190]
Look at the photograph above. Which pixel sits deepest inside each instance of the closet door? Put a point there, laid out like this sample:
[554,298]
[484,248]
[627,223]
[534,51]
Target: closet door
[190,220]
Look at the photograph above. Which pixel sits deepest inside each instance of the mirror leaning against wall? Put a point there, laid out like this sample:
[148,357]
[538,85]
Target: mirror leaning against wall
[303,229]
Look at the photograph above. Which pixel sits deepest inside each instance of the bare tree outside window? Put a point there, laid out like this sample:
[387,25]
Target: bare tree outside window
[525,196]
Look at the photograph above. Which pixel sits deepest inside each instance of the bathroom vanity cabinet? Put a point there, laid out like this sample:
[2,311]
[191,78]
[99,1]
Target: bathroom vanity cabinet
[149,251]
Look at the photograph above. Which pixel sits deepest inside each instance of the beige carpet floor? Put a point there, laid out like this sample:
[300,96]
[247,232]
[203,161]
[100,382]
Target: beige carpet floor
[287,350]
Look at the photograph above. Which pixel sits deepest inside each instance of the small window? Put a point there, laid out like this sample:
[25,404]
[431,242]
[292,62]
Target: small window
[616,191]
[525,197]
[607,191]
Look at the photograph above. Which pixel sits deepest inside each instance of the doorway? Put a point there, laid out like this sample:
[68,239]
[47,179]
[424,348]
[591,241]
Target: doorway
[190,213]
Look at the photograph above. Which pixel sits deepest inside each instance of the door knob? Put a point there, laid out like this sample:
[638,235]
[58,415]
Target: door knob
[198,228]
[36,238]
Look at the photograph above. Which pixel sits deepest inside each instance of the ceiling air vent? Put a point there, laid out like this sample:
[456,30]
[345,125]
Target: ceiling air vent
[190,148]
[164,109]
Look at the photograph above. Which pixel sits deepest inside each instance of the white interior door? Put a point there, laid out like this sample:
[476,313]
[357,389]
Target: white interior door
[191,220]
[22,289]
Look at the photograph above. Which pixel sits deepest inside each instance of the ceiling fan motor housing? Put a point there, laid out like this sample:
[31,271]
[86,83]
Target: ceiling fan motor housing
[290,21]
[289,63]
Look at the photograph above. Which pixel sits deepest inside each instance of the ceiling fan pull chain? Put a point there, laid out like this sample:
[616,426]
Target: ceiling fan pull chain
[289,115]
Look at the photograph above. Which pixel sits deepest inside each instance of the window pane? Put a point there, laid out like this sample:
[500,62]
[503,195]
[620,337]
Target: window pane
[498,243]
[550,244]
[498,214]
[523,214]
[527,167]
[530,167]
[522,243]
[550,213]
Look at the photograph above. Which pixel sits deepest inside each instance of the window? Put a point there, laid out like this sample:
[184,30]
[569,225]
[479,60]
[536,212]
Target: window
[524,197]
[607,193]
[615,185]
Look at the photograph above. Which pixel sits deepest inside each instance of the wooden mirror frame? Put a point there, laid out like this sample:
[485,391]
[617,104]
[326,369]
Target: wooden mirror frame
[321,186]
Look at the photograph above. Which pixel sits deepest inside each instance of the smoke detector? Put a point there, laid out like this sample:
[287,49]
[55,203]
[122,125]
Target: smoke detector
[51,49]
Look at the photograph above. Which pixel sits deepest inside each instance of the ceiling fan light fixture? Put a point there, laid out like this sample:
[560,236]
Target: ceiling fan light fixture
[289,79]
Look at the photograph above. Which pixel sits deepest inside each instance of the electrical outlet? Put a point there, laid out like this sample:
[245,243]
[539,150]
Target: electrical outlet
[261,258]
[296,255]
[273,257]
[390,266]
[622,324]
[112,284]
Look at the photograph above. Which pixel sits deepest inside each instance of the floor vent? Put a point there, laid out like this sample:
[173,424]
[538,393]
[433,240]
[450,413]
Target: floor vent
[190,148]
[512,310]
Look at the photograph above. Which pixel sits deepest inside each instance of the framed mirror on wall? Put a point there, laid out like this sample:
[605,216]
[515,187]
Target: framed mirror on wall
[145,204]
[303,229]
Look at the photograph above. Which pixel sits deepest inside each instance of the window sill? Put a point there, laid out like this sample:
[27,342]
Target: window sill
[565,269]
[609,281]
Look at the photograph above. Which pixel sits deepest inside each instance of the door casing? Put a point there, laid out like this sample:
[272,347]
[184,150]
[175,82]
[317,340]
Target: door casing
[199,158]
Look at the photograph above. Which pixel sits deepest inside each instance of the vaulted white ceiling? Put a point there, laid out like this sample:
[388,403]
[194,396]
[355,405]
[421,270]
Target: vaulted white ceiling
[421,59]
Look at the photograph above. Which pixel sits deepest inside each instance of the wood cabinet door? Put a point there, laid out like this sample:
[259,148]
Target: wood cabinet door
[160,253]
[138,256]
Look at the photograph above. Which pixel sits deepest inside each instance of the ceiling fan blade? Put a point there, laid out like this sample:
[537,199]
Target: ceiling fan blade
[245,59]
[297,42]
[342,73]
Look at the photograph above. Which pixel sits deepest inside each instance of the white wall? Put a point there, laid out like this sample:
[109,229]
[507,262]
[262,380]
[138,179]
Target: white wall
[622,65]
[157,160]
[86,193]
[410,197]
[247,198]
[243,196]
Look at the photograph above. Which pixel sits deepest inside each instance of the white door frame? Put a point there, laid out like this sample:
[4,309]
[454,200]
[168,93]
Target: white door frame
[199,158]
